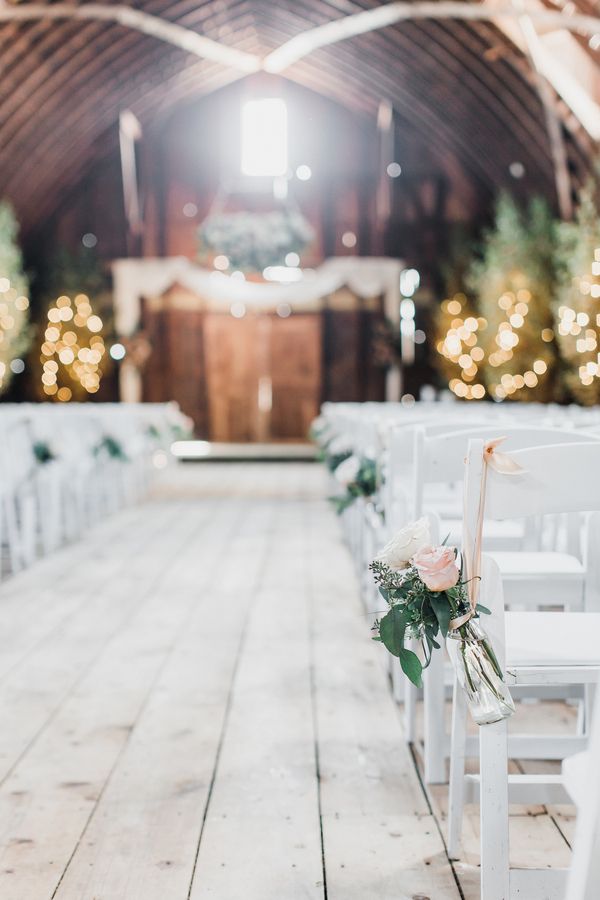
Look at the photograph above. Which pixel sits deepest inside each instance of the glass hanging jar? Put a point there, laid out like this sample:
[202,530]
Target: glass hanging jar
[479,674]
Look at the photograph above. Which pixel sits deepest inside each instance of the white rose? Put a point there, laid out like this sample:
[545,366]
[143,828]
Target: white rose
[347,471]
[398,552]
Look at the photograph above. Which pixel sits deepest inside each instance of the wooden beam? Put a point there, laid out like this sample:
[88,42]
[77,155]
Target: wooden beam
[130,131]
[553,124]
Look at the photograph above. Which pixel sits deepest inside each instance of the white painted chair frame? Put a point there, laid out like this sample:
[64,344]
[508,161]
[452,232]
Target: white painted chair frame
[543,648]
[438,458]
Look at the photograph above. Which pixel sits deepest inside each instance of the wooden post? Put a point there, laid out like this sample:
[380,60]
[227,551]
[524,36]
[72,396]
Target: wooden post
[553,124]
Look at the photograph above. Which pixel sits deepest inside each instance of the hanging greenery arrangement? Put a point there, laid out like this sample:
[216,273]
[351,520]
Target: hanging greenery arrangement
[577,304]
[15,332]
[253,241]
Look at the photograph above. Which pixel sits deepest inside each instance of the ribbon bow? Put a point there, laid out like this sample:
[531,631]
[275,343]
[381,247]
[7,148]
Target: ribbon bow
[499,462]
[504,464]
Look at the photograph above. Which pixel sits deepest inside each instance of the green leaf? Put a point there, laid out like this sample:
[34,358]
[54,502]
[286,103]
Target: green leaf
[385,594]
[342,503]
[442,610]
[430,633]
[376,638]
[483,609]
[391,630]
[411,666]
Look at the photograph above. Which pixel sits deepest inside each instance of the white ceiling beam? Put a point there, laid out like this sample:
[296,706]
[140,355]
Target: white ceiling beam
[561,59]
[382,16]
[558,148]
[154,26]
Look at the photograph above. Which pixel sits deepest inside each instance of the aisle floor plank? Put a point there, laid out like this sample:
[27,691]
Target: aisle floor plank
[192,709]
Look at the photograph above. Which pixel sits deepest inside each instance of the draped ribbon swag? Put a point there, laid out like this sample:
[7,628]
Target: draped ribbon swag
[504,464]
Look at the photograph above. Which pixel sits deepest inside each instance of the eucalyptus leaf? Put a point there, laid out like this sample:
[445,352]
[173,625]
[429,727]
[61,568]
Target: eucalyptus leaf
[442,610]
[411,666]
[391,630]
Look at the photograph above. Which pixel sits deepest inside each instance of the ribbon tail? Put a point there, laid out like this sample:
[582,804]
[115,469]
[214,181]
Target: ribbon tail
[504,464]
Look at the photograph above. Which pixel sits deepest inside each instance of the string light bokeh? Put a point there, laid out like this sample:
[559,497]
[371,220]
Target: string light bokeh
[13,311]
[582,324]
[460,347]
[464,346]
[73,349]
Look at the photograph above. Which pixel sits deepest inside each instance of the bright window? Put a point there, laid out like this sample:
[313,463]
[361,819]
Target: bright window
[264,137]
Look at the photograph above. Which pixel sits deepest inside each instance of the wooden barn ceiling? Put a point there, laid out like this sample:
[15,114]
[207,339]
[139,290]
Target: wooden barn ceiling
[463,86]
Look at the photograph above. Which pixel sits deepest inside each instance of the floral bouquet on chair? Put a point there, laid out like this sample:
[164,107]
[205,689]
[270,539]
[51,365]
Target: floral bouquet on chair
[428,600]
[358,476]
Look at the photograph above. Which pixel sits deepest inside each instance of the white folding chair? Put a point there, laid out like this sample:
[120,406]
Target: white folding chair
[17,491]
[535,648]
[438,460]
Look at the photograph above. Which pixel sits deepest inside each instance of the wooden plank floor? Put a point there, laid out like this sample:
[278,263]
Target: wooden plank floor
[192,709]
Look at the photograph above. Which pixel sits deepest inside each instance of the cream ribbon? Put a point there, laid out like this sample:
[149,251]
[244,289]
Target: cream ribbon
[504,464]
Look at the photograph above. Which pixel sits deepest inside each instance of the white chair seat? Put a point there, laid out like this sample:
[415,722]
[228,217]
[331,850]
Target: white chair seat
[534,579]
[503,536]
[534,564]
[552,639]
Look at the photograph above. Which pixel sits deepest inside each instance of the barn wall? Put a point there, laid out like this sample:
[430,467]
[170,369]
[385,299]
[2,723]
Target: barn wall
[190,156]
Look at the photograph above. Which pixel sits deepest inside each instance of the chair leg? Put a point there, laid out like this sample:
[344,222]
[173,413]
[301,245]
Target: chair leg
[495,872]
[458,744]
[28,528]
[12,535]
[434,732]
[411,694]
[588,705]
[398,680]
[410,697]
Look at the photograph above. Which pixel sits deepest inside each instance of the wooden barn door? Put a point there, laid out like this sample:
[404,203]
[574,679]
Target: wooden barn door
[263,376]
[295,355]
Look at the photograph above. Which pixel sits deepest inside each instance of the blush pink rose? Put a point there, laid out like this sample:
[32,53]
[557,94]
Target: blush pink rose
[437,567]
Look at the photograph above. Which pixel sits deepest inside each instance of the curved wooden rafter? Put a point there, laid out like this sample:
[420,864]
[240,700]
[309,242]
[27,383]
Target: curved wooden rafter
[69,71]
[171,32]
[392,13]
[301,44]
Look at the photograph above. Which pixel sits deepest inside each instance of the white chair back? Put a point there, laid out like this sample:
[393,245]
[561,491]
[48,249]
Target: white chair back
[557,478]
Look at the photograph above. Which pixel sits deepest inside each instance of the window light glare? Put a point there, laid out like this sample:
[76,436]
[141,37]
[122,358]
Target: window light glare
[264,137]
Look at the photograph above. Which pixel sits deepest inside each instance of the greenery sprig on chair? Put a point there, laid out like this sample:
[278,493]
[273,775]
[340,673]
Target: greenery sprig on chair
[43,452]
[111,447]
[359,476]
